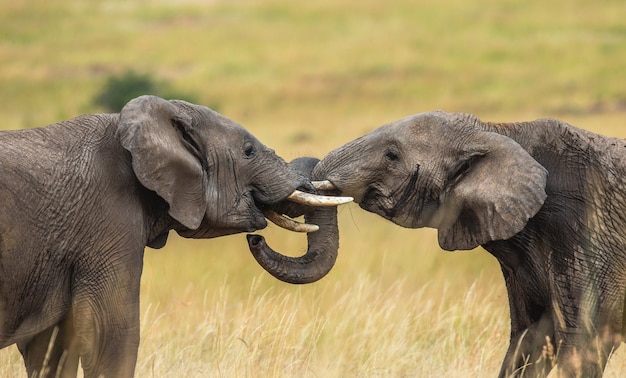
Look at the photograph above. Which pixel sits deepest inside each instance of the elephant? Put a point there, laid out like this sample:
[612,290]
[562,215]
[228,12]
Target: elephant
[545,198]
[81,199]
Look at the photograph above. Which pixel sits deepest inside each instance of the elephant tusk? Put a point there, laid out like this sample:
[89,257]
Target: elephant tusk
[323,185]
[316,199]
[288,223]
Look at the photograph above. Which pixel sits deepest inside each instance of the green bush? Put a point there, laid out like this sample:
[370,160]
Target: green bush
[119,89]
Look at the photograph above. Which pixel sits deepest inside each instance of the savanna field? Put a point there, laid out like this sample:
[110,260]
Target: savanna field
[306,77]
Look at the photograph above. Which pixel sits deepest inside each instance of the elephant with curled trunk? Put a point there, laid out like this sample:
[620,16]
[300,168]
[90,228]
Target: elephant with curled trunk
[79,201]
[547,199]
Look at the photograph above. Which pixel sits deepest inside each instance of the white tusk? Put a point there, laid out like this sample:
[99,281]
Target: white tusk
[288,223]
[317,200]
[323,185]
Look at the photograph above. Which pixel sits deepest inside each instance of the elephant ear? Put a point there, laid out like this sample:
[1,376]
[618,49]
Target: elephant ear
[494,189]
[154,131]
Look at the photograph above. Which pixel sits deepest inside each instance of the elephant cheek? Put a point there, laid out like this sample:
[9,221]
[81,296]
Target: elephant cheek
[248,219]
[376,203]
[242,216]
[211,230]
[403,213]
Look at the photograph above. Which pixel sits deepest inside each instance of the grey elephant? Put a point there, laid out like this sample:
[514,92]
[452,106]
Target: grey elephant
[547,199]
[79,201]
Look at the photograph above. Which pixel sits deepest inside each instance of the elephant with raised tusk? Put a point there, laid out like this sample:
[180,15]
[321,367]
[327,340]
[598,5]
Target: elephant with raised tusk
[547,199]
[79,201]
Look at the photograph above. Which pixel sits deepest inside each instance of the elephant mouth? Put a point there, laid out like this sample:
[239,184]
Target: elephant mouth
[258,218]
[249,214]
[405,211]
[302,196]
[375,201]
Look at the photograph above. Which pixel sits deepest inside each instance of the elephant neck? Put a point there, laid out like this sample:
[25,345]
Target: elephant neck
[159,222]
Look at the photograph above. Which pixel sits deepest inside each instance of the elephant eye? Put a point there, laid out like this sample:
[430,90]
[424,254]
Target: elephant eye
[248,150]
[392,156]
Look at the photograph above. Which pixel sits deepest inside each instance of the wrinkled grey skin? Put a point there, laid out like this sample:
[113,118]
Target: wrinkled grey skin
[323,244]
[548,200]
[79,201]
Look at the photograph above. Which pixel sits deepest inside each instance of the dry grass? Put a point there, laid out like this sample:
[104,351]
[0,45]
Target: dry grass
[305,78]
[392,307]
[360,328]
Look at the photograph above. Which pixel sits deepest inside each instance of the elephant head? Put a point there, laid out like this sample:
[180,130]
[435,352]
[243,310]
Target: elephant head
[215,177]
[443,171]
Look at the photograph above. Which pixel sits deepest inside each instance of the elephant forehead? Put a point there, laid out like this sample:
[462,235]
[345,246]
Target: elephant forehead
[228,131]
[210,120]
[417,127]
[437,122]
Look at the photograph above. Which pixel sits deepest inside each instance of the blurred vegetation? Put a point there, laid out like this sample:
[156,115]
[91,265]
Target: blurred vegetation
[119,89]
[306,77]
[273,63]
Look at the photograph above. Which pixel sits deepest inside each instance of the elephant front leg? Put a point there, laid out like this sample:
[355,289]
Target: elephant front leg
[584,350]
[588,324]
[531,351]
[51,353]
[106,316]
[109,337]
[532,330]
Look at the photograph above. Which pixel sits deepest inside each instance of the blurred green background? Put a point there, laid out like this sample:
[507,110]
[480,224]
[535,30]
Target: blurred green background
[333,61]
[305,77]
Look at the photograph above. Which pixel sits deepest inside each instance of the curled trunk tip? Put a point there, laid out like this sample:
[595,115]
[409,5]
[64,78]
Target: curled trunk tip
[305,269]
[255,241]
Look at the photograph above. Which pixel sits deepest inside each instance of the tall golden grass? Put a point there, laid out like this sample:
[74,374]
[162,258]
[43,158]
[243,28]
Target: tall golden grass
[306,77]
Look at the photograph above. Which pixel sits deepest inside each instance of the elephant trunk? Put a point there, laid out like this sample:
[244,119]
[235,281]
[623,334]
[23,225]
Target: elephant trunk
[315,263]
[322,244]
